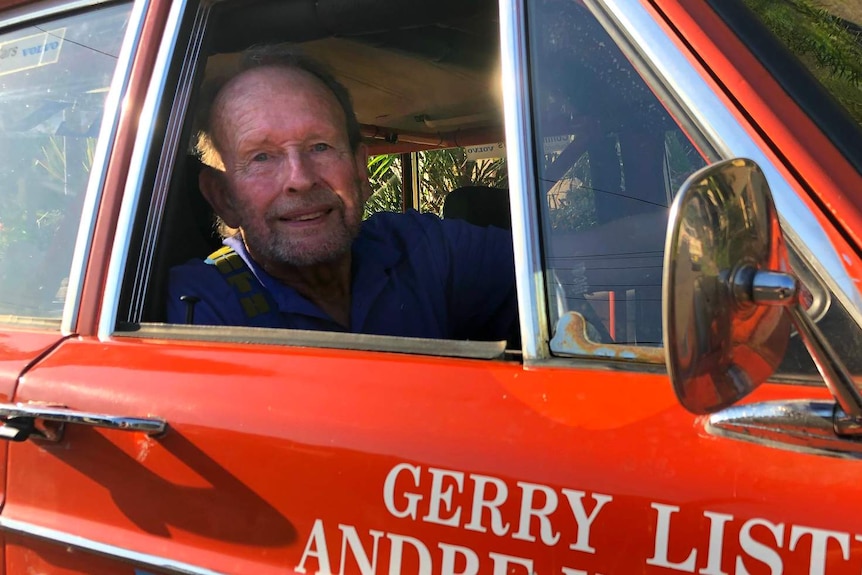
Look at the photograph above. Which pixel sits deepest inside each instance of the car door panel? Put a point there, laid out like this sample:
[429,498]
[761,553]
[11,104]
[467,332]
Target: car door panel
[297,460]
[18,349]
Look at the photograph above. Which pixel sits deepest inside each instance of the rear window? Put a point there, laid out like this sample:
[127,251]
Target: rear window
[54,78]
[439,172]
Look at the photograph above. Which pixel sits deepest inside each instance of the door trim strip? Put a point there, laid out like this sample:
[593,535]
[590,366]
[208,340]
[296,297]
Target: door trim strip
[162,564]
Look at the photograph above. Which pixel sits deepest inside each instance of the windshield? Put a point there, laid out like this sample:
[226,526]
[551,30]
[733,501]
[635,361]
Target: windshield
[826,37]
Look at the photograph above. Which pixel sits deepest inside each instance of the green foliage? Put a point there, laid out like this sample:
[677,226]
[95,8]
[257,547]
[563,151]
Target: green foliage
[827,46]
[571,198]
[54,159]
[682,159]
[440,172]
[32,207]
[384,175]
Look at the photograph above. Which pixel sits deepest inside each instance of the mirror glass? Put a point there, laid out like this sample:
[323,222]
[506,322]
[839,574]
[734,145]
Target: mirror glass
[720,345]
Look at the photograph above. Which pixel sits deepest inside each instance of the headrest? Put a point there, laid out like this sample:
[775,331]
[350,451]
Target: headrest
[479,205]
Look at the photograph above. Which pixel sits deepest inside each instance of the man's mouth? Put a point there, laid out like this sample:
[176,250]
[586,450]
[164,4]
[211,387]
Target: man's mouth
[306,216]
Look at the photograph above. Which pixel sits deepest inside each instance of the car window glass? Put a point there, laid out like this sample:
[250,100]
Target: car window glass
[832,319]
[54,78]
[610,159]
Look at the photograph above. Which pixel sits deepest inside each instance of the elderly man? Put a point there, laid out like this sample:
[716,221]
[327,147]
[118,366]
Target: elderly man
[287,172]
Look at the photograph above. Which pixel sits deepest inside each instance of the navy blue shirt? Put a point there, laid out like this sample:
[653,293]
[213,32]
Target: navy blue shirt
[414,275]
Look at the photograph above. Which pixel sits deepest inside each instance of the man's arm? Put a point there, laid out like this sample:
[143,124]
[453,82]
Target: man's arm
[482,296]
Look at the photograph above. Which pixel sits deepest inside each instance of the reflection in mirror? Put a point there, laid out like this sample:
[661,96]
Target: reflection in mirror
[727,283]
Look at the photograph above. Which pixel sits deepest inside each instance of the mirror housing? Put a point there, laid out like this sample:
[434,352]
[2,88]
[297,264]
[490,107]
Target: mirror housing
[723,229]
[727,283]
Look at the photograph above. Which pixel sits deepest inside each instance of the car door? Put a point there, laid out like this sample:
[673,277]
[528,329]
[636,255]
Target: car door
[202,449]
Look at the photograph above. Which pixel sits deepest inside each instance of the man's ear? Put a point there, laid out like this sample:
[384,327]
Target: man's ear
[361,159]
[214,187]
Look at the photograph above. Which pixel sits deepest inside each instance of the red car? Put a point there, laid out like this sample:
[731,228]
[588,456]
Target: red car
[131,445]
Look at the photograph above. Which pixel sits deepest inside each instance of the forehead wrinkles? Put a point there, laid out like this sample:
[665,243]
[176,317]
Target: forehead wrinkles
[275,89]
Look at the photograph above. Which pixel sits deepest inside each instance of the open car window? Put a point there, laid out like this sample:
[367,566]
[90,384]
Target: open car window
[425,87]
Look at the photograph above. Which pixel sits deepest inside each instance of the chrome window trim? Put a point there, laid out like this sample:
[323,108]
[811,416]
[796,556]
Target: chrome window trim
[165,169]
[718,124]
[162,564]
[134,182]
[98,172]
[529,272]
[27,13]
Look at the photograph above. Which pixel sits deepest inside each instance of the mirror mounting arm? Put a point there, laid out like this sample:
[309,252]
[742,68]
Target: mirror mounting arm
[835,375]
[844,425]
[764,287]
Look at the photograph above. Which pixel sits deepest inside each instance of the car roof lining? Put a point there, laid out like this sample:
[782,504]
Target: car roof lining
[430,69]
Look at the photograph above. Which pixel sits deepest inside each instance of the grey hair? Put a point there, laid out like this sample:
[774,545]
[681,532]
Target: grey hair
[284,56]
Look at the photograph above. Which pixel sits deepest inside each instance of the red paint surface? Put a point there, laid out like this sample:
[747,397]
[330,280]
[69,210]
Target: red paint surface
[18,348]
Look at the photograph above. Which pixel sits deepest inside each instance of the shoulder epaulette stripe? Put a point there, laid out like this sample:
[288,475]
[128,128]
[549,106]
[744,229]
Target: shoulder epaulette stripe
[239,277]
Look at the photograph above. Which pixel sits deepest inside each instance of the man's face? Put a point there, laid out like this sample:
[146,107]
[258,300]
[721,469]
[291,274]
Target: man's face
[292,185]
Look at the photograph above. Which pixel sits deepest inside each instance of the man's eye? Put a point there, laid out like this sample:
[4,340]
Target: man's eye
[321,147]
[261,157]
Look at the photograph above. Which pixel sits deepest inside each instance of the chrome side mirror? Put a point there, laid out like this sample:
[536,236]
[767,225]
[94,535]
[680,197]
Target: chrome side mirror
[727,283]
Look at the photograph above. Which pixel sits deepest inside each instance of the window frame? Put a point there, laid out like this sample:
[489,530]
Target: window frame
[158,102]
[152,167]
[719,121]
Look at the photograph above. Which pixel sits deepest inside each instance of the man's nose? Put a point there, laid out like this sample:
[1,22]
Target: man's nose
[298,172]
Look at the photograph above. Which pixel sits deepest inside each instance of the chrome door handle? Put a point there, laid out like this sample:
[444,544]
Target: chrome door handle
[18,421]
